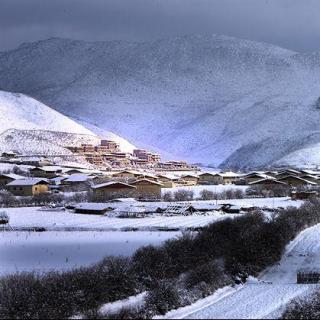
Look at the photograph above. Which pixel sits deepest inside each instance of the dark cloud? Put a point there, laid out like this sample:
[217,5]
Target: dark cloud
[293,24]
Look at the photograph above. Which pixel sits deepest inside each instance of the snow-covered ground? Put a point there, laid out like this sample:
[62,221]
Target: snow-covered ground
[63,220]
[267,296]
[214,188]
[45,251]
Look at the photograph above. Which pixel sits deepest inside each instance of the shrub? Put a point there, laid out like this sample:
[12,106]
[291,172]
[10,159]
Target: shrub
[162,298]
[183,195]
[167,196]
[210,273]
[308,308]
[150,263]
[207,195]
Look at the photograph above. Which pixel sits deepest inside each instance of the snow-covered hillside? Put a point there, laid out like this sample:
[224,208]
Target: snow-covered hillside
[29,126]
[43,142]
[18,111]
[210,99]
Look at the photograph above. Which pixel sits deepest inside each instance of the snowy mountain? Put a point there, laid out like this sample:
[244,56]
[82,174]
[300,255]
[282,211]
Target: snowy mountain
[18,111]
[42,142]
[210,99]
[28,126]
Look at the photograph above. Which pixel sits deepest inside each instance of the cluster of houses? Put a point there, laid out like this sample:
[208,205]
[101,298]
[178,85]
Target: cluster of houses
[122,183]
[286,177]
[108,153]
[142,184]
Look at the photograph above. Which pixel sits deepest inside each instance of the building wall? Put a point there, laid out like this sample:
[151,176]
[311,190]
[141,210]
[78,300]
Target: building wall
[210,179]
[149,190]
[190,181]
[40,188]
[168,183]
[28,190]
[117,192]
[43,174]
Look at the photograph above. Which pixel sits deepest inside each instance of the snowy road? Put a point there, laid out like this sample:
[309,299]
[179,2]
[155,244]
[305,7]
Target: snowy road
[258,299]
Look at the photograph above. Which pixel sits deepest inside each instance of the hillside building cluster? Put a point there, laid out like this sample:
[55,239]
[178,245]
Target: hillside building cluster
[108,153]
[142,183]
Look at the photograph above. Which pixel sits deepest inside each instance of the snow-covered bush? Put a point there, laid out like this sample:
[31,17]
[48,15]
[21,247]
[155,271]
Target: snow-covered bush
[162,298]
[4,217]
[210,273]
[307,308]
[167,196]
[183,195]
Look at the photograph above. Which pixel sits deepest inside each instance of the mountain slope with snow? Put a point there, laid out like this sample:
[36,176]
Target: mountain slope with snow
[27,126]
[18,111]
[209,99]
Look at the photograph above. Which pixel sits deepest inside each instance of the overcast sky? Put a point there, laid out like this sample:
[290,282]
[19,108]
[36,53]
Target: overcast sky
[293,24]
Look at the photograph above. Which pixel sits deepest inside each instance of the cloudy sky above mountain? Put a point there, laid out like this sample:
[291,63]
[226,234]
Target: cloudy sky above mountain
[292,24]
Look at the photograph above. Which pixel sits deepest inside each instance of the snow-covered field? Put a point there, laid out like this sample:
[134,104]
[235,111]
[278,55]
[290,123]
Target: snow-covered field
[64,220]
[214,188]
[267,296]
[45,251]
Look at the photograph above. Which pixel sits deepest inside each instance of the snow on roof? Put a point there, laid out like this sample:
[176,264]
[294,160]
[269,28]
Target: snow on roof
[48,168]
[81,171]
[12,176]
[298,178]
[78,177]
[57,180]
[92,206]
[306,176]
[179,208]
[266,180]
[123,200]
[189,175]
[134,172]
[112,184]
[210,173]
[167,176]
[130,209]
[261,175]
[27,182]
[148,175]
[230,174]
[146,181]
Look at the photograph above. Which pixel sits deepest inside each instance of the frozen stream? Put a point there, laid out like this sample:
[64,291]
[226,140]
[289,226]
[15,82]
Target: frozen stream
[44,251]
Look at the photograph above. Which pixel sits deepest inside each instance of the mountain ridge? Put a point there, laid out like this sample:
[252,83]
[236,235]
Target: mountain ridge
[212,99]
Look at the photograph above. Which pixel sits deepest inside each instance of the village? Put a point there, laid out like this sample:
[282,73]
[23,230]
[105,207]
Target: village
[111,174]
[126,205]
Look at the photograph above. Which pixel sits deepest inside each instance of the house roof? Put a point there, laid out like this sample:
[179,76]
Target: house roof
[189,175]
[128,171]
[260,175]
[297,178]
[27,182]
[211,174]
[47,168]
[261,181]
[230,174]
[92,206]
[113,184]
[12,176]
[179,209]
[78,177]
[147,181]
